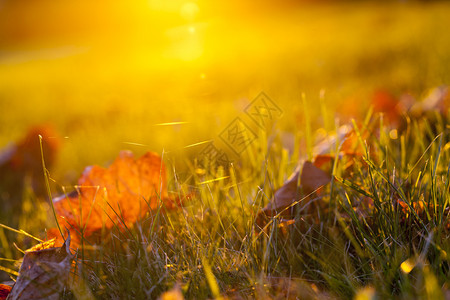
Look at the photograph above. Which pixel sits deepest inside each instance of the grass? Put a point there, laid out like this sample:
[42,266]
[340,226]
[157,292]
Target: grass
[394,246]
[213,246]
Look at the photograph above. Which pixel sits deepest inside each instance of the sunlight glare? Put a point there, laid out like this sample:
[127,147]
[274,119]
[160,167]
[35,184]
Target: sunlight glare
[186,43]
[189,11]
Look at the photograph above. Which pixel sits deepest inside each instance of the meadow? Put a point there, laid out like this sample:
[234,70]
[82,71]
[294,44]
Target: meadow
[169,80]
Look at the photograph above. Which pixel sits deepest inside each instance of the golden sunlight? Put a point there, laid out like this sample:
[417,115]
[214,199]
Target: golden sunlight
[225,149]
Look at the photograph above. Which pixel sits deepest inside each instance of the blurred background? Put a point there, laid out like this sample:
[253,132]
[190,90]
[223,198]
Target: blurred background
[109,75]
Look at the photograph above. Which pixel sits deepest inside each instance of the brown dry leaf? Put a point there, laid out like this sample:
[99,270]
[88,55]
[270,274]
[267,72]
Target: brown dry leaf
[346,159]
[311,180]
[324,161]
[313,175]
[350,149]
[43,273]
[284,196]
[349,145]
[4,291]
[118,195]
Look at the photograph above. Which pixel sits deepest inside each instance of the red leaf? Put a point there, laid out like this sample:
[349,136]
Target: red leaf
[384,102]
[4,291]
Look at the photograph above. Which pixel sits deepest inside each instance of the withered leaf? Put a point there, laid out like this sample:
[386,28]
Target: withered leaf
[118,195]
[386,103]
[311,179]
[324,162]
[285,195]
[4,291]
[43,273]
[21,166]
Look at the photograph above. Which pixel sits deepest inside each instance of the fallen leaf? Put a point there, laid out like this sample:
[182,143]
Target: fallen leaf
[118,195]
[386,103]
[43,273]
[284,196]
[324,160]
[351,144]
[349,149]
[311,180]
[438,99]
[21,166]
[4,291]
[351,108]
[25,155]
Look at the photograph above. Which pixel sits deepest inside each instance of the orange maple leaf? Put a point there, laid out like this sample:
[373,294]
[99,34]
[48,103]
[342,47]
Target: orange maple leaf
[118,195]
